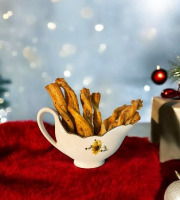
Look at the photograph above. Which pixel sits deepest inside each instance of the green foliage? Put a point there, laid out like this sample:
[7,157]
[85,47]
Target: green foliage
[174,72]
[3,102]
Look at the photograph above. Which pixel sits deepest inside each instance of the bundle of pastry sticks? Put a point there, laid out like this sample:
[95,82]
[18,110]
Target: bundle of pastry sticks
[90,122]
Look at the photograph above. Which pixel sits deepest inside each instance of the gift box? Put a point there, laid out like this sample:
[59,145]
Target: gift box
[165,127]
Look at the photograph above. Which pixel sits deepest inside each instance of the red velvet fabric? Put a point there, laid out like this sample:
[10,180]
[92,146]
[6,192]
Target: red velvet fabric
[31,168]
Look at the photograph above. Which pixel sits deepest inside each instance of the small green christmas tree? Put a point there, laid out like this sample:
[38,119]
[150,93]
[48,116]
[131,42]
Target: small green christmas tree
[3,102]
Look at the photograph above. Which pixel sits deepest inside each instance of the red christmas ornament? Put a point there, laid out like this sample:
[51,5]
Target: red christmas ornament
[159,76]
[170,93]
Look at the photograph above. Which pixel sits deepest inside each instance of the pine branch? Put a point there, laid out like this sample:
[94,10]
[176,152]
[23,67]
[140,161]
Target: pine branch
[4,103]
[3,90]
[4,81]
[174,72]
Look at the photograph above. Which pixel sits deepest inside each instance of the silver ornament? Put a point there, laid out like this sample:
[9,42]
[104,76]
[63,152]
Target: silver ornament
[173,190]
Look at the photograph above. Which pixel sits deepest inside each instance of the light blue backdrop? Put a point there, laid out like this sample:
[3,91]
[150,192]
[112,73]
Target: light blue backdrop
[107,46]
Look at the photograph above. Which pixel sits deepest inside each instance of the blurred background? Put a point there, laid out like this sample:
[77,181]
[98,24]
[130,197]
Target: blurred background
[111,47]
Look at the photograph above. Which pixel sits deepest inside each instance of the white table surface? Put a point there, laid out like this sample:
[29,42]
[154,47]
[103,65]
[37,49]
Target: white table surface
[140,130]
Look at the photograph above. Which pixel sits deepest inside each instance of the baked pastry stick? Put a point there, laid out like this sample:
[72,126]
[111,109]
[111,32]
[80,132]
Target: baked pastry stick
[135,118]
[87,106]
[123,115]
[60,105]
[97,120]
[129,111]
[82,126]
[110,122]
[70,96]
[115,115]
[103,128]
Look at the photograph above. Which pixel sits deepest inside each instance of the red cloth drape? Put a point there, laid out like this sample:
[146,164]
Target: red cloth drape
[31,168]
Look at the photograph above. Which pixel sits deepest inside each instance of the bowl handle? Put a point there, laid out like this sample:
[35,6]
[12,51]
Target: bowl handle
[40,116]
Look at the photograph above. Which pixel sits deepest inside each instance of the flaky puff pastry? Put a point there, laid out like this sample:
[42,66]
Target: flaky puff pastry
[70,96]
[97,119]
[129,111]
[82,126]
[127,114]
[110,122]
[87,106]
[60,105]
[66,103]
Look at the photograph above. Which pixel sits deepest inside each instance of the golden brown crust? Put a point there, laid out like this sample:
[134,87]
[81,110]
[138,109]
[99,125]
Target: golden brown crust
[129,111]
[112,125]
[97,120]
[87,106]
[110,122]
[138,102]
[82,126]
[91,122]
[70,96]
[60,105]
[104,126]
[123,115]
[116,113]
[135,118]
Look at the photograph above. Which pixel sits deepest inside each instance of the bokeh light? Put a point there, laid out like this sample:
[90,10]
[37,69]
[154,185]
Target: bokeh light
[111,47]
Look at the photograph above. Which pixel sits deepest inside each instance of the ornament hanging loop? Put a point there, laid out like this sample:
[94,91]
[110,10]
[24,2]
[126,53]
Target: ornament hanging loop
[179,86]
[177,174]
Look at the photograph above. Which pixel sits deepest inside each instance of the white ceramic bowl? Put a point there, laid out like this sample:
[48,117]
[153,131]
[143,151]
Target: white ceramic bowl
[87,152]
